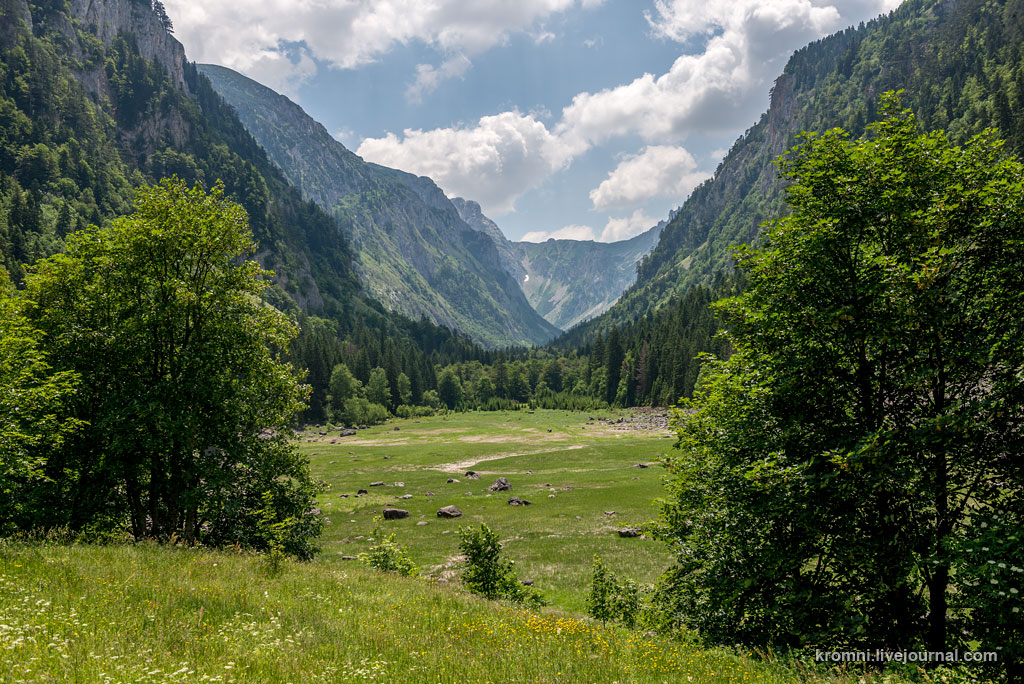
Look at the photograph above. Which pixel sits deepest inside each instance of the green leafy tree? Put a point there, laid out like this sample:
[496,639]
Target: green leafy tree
[611,599]
[827,471]
[449,388]
[378,390]
[342,387]
[34,410]
[553,375]
[185,389]
[484,390]
[404,389]
[485,571]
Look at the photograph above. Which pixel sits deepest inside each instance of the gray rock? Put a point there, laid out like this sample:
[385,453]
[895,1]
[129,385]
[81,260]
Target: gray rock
[609,513]
[395,514]
[452,480]
[346,433]
[527,583]
[428,493]
[378,483]
[641,465]
[349,558]
[500,485]
[405,496]
[449,512]
[629,532]
[421,523]
[361,492]
[472,475]
[516,501]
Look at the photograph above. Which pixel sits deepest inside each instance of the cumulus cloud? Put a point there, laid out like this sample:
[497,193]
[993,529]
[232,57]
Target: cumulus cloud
[493,162]
[615,229]
[571,232]
[657,171]
[428,78]
[626,227]
[242,34]
[720,88]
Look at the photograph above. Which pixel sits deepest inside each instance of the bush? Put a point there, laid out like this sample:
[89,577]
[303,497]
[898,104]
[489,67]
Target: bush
[488,574]
[611,599]
[359,411]
[566,401]
[499,404]
[390,556]
[408,411]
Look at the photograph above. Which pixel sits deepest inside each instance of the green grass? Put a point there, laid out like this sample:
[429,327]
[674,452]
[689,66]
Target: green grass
[588,464]
[162,615]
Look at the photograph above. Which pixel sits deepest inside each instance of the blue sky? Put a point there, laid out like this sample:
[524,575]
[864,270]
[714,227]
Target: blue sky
[585,119]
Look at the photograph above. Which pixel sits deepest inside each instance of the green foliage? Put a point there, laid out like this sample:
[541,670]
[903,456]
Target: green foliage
[827,471]
[486,573]
[390,556]
[407,411]
[449,388]
[35,404]
[377,389]
[184,388]
[360,411]
[611,599]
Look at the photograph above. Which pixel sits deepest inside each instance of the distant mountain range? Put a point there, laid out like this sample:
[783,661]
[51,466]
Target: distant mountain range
[412,244]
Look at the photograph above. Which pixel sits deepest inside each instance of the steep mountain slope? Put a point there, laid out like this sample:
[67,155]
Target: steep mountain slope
[566,281]
[413,251]
[960,65]
[96,97]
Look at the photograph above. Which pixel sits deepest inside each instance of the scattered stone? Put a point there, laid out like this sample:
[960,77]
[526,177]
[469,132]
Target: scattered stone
[421,523]
[529,472]
[349,558]
[452,480]
[516,501]
[395,514]
[449,512]
[360,536]
[629,532]
[634,478]
[551,496]
[399,484]
[641,465]
[396,429]
[378,483]
[546,484]
[428,493]
[405,496]
[609,513]
[360,427]
[344,496]
[347,433]
[386,457]
[500,485]
[527,583]
[469,493]
[361,492]
[531,412]
[471,474]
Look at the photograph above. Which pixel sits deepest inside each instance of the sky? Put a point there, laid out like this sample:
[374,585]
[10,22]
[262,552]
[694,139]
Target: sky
[580,119]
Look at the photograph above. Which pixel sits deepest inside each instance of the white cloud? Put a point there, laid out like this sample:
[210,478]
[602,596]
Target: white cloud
[722,87]
[657,171]
[493,162]
[241,34]
[429,78]
[626,227]
[571,232]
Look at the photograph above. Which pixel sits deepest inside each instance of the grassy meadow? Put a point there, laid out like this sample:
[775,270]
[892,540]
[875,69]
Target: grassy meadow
[161,615]
[573,471]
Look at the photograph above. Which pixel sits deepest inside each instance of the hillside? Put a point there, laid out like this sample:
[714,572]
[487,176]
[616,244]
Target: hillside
[566,281]
[167,615]
[412,249]
[960,67]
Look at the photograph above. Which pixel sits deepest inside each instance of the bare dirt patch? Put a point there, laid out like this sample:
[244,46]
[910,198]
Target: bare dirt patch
[461,466]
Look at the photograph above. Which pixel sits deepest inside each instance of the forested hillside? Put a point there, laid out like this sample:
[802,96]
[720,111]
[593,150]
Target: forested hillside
[98,98]
[411,247]
[960,67]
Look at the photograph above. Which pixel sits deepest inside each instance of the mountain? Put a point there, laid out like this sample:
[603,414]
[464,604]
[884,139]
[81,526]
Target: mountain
[566,281]
[959,64]
[412,249]
[97,98]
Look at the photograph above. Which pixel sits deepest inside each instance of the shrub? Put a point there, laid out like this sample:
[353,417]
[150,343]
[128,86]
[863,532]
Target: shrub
[408,411]
[359,411]
[488,574]
[390,556]
[611,599]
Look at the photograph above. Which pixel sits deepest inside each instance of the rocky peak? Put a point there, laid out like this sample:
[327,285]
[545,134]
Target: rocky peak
[107,18]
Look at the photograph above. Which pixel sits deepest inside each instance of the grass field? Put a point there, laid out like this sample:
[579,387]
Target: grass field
[573,471]
[162,615]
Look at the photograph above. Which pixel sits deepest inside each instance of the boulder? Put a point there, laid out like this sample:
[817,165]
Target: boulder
[449,512]
[346,433]
[629,532]
[472,475]
[361,492]
[500,485]
[395,513]
[378,483]
[452,480]
[516,501]
[405,496]
[640,465]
